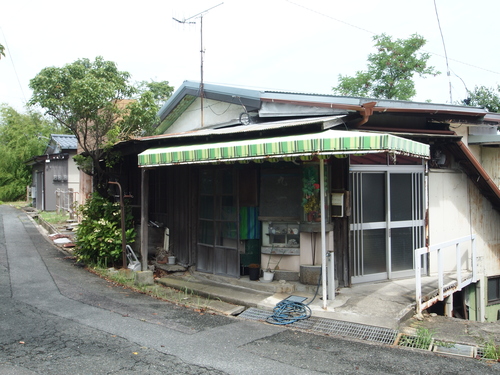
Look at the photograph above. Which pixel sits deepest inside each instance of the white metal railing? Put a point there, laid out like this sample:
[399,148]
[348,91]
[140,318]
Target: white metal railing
[450,288]
[66,201]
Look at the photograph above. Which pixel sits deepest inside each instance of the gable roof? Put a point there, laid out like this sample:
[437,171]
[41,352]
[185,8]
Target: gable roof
[61,142]
[273,103]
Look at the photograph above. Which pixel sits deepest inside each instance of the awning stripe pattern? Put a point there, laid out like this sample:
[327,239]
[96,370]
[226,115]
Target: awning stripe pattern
[329,142]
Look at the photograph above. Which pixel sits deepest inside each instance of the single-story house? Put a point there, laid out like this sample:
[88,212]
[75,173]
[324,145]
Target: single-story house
[295,181]
[55,175]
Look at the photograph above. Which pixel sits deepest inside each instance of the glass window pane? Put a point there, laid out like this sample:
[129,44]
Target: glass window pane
[206,232]
[374,254]
[206,182]
[226,234]
[401,196]
[373,197]
[206,207]
[224,182]
[401,249]
[228,208]
[493,292]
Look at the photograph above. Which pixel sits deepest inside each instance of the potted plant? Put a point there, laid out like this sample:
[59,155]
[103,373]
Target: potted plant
[254,271]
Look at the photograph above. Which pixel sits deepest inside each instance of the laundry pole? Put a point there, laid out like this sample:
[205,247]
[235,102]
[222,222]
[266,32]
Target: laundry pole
[323,230]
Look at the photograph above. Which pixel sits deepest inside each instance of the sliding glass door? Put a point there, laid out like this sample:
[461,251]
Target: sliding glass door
[387,221]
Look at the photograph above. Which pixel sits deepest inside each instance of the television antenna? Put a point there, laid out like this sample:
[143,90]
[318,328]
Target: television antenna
[202,51]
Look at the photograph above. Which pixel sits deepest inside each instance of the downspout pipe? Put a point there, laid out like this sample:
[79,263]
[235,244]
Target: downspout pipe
[366,112]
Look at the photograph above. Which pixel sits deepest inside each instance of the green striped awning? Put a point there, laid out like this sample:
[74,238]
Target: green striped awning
[330,142]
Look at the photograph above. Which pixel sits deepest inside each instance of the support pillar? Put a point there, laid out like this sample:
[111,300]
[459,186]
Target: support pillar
[144,218]
[448,306]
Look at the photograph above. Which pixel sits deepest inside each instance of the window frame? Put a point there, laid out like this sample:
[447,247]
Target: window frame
[496,300]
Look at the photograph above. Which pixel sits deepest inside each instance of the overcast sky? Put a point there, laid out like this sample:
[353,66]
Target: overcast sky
[293,45]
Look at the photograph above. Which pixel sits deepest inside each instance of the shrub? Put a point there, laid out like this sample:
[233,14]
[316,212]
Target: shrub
[99,235]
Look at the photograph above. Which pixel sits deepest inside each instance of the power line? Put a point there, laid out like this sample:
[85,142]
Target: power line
[373,33]
[13,65]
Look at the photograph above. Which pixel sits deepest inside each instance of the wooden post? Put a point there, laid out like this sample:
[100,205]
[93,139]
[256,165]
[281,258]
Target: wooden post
[71,203]
[144,218]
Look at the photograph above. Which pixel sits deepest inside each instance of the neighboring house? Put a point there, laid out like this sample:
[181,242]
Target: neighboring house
[237,178]
[55,175]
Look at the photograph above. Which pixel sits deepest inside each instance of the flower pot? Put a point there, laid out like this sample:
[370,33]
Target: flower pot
[267,276]
[171,260]
[254,273]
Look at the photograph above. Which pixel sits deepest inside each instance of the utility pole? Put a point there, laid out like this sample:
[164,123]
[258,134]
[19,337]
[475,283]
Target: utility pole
[202,51]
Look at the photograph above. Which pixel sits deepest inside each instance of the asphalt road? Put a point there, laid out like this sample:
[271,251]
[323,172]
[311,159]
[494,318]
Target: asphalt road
[59,319]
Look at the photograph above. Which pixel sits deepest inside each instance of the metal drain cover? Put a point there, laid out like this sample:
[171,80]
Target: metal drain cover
[332,327]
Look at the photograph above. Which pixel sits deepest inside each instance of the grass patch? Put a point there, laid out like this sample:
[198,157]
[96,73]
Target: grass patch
[491,351]
[185,297]
[422,340]
[53,217]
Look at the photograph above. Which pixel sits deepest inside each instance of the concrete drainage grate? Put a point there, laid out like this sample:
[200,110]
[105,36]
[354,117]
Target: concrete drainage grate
[358,331]
[254,314]
[332,327]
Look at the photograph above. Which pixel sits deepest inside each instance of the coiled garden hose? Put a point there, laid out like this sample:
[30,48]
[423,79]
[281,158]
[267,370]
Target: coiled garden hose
[289,311]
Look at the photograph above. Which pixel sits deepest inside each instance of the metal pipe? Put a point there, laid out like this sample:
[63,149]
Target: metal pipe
[323,230]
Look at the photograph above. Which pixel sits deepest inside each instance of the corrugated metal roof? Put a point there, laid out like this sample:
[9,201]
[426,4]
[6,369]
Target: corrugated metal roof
[253,97]
[328,121]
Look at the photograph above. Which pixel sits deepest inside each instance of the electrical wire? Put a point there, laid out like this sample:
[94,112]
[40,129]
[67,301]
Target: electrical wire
[7,50]
[374,33]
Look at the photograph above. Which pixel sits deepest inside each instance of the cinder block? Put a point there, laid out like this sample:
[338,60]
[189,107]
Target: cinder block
[144,278]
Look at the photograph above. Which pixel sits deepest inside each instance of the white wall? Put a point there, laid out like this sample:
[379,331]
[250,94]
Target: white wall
[457,209]
[73,175]
[449,213]
[214,112]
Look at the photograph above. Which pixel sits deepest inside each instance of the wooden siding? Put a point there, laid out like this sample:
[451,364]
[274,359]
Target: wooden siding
[173,202]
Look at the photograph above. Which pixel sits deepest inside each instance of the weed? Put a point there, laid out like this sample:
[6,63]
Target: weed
[492,351]
[52,217]
[444,344]
[185,297]
[422,340]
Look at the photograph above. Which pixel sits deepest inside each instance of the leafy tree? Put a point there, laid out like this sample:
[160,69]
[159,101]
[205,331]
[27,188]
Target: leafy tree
[390,71]
[22,136]
[487,97]
[96,103]
[161,91]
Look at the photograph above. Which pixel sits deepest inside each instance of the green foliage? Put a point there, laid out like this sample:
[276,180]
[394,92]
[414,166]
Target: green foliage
[96,103]
[492,351]
[390,71]
[22,136]
[52,217]
[487,97]
[99,235]
[2,51]
[422,340]
[160,91]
